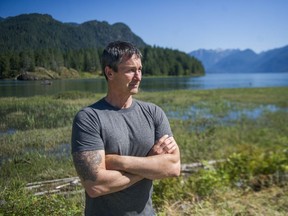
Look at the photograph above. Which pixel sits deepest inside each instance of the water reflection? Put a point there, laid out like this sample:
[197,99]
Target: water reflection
[9,132]
[196,112]
[252,114]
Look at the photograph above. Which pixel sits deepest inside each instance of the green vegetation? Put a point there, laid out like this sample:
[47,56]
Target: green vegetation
[251,180]
[33,41]
[53,63]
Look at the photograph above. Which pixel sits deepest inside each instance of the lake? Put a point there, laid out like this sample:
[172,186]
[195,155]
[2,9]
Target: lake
[15,88]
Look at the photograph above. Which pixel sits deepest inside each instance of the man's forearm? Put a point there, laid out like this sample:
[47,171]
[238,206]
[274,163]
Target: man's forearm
[152,167]
[110,181]
[97,181]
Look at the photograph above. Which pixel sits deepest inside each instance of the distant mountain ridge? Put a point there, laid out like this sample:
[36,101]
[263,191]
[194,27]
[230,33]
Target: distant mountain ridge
[235,60]
[211,57]
[41,31]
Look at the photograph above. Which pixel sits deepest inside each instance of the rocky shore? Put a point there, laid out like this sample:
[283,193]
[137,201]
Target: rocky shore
[44,74]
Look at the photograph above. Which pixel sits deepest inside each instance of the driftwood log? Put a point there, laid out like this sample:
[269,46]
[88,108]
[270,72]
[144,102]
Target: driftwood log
[63,186]
[73,185]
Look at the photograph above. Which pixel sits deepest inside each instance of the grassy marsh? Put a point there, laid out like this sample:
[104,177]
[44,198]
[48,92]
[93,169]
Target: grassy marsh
[35,136]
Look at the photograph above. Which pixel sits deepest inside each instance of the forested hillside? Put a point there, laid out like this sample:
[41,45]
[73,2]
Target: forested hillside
[32,41]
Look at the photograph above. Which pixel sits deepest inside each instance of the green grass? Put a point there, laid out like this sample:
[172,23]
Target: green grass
[256,149]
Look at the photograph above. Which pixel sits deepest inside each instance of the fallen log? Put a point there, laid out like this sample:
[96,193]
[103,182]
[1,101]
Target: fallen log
[65,185]
[72,185]
[53,181]
[193,167]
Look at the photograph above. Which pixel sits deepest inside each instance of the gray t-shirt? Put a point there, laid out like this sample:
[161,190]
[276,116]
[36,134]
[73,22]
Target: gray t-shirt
[132,131]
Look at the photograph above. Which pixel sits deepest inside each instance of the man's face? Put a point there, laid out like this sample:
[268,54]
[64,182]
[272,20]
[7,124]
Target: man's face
[127,79]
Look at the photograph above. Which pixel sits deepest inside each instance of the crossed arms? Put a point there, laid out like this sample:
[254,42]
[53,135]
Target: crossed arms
[102,174]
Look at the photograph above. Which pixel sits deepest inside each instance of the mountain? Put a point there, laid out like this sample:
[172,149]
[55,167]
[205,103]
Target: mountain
[240,61]
[37,31]
[32,44]
[273,60]
[211,57]
[235,60]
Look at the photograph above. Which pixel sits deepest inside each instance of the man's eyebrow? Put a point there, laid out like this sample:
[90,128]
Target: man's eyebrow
[130,66]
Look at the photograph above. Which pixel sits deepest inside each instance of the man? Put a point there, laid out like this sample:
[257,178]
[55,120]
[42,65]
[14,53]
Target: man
[120,144]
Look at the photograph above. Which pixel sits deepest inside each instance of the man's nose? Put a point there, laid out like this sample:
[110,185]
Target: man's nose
[138,75]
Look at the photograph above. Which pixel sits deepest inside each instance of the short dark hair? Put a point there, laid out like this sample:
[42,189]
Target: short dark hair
[114,53]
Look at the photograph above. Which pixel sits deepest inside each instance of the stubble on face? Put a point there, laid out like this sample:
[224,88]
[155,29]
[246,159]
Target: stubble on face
[131,68]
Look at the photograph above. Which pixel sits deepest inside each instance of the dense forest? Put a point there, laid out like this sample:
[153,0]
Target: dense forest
[32,41]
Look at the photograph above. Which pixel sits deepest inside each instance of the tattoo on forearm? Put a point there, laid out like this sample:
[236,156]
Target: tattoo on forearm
[86,164]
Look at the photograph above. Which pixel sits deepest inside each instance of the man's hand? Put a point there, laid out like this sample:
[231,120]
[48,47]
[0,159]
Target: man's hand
[165,145]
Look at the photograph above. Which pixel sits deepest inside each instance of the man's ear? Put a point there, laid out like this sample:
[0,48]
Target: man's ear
[108,72]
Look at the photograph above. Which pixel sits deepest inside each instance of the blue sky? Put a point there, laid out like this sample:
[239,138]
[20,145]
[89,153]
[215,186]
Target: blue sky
[185,25]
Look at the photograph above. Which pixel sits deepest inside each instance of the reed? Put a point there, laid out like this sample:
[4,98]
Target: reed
[207,124]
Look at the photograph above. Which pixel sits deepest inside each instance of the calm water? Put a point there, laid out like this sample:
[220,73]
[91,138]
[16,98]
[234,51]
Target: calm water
[13,88]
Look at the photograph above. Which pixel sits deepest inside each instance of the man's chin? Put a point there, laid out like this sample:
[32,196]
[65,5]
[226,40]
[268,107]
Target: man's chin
[134,91]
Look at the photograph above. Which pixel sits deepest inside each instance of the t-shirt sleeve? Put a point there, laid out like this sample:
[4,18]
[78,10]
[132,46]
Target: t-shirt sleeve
[86,132]
[162,125]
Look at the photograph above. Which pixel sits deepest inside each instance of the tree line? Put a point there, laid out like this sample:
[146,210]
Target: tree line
[156,61]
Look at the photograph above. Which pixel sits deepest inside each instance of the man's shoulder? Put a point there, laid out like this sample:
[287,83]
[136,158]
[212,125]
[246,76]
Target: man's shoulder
[97,106]
[148,106]
[144,103]
[92,109]
[100,104]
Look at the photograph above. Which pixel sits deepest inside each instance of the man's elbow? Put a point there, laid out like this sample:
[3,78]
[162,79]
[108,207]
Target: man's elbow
[92,193]
[173,171]
[176,171]
[95,192]
[175,166]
